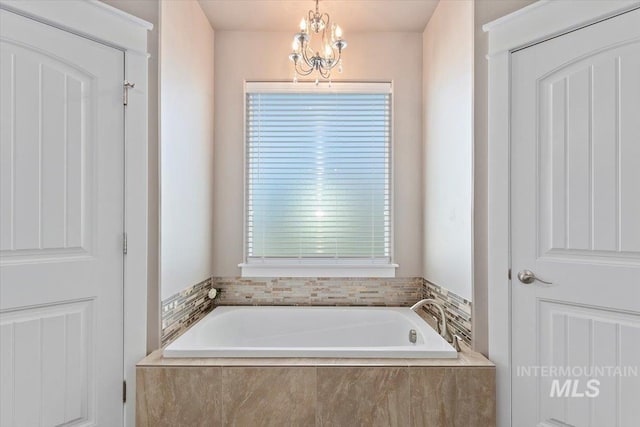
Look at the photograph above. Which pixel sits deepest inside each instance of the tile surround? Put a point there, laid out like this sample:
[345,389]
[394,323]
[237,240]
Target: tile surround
[458,309]
[316,396]
[318,291]
[183,309]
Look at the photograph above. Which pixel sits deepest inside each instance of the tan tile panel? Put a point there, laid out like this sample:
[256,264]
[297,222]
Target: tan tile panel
[178,397]
[453,397]
[269,396]
[363,397]
[322,396]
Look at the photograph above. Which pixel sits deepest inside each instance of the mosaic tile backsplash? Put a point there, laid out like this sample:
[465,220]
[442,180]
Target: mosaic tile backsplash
[184,309]
[318,291]
[458,309]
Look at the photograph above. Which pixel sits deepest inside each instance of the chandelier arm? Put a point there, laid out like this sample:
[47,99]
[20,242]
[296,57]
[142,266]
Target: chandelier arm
[310,54]
[301,71]
[328,22]
[337,60]
[306,50]
[326,27]
[334,57]
[325,75]
[306,59]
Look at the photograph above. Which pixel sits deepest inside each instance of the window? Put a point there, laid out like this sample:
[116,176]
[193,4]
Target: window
[318,172]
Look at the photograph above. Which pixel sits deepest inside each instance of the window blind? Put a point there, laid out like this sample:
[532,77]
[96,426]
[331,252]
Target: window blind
[318,175]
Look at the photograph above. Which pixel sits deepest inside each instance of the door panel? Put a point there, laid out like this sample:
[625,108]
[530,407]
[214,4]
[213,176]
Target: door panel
[575,194]
[46,354]
[587,177]
[584,337]
[47,159]
[61,227]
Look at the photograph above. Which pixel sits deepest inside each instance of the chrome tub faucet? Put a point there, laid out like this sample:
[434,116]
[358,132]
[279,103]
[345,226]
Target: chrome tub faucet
[443,328]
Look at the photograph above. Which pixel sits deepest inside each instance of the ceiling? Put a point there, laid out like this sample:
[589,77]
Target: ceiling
[352,15]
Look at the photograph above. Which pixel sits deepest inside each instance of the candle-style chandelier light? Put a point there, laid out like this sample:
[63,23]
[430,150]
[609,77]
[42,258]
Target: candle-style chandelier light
[329,50]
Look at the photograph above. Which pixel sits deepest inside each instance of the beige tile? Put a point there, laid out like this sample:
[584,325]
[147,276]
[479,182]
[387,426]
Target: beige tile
[465,358]
[453,397]
[176,397]
[363,396]
[269,396]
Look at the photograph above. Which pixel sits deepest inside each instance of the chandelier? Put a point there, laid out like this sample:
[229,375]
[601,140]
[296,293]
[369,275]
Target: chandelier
[329,54]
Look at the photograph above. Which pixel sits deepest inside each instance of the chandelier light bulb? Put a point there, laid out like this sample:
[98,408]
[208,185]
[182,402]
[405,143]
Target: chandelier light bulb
[338,32]
[327,51]
[303,25]
[295,45]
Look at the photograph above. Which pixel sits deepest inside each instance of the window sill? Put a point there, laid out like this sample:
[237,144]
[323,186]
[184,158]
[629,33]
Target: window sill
[318,270]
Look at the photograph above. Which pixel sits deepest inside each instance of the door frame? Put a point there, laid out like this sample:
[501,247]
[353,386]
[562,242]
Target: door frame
[530,25]
[104,24]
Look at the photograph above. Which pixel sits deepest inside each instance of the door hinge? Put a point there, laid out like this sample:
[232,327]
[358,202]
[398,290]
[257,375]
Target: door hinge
[124,243]
[509,274]
[125,95]
[124,392]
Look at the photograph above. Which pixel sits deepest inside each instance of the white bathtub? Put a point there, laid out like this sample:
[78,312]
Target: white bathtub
[341,332]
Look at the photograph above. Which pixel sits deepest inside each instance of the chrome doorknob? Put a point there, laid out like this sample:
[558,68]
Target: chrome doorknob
[527,277]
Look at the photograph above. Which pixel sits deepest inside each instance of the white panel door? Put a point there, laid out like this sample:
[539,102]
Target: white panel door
[61,227]
[575,222]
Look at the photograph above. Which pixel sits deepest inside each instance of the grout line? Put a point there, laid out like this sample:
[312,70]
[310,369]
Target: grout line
[618,154]
[13,153]
[566,163]
[591,164]
[40,119]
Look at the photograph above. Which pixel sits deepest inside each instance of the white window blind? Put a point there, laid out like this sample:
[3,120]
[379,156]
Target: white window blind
[318,175]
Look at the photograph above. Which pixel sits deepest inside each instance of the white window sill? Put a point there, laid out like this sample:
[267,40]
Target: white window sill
[318,270]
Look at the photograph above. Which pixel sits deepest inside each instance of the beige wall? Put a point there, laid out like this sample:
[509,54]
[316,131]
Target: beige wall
[485,11]
[149,10]
[186,145]
[228,224]
[241,56]
[448,147]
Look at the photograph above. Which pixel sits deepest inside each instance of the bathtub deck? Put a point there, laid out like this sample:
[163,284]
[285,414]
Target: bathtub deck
[465,358]
[316,391]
